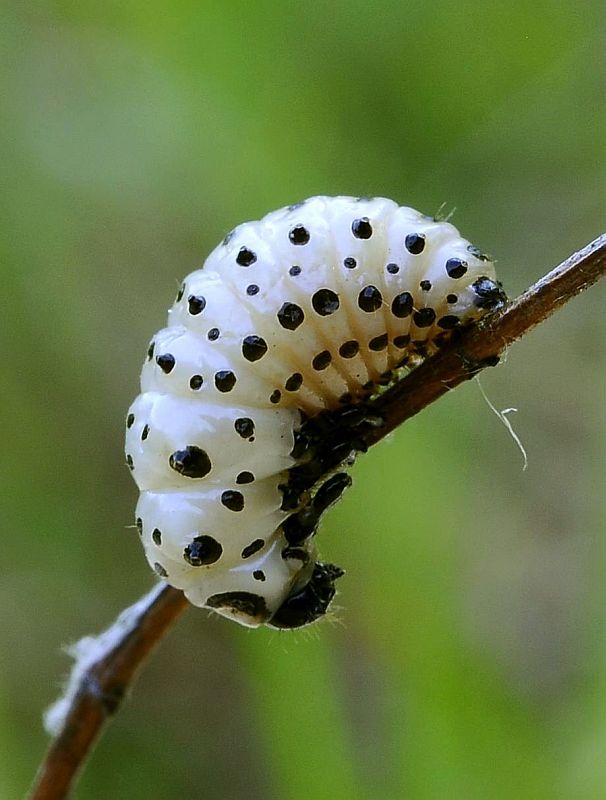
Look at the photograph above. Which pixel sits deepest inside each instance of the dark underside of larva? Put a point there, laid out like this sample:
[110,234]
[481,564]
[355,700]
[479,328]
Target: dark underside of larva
[334,297]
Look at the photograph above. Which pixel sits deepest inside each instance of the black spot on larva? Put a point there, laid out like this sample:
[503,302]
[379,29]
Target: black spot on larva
[290,316]
[252,289]
[402,341]
[247,603]
[253,548]
[139,524]
[166,362]
[294,270]
[456,267]
[195,382]
[350,263]
[322,360]
[298,235]
[415,243]
[245,427]
[180,293]
[448,322]
[157,536]
[349,349]
[424,317]
[202,551]
[452,298]
[129,461]
[361,228]
[370,299]
[489,295]
[191,462]
[225,380]
[196,304]
[244,477]
[378,343]
[325,302]
[275,396]
[475,251]
[401,305]
[253,348]
[150,350]
[232,500]
[129,420]
[393,269]
[425,286]
[259,575]
[294,382]
[213,334]
[145,433]
[245,257]
[159,570]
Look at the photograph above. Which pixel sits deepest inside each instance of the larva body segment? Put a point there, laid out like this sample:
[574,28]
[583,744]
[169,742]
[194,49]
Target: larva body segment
[304,311]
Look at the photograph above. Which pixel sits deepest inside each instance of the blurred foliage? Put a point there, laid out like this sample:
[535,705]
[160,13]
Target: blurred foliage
[468,658]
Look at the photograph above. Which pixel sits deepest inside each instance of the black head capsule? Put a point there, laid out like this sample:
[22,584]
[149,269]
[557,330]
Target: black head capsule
[489,294]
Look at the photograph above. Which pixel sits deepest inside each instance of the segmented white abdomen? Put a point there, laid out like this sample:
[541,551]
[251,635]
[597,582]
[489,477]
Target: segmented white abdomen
[305,310]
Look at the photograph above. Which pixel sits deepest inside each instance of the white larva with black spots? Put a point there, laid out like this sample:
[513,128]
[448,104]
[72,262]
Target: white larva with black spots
[303,312]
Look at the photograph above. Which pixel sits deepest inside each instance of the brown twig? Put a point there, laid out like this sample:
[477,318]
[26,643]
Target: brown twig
[103,684]
[101,689]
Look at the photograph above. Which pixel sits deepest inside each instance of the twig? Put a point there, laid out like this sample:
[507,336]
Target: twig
[105,668]
[103,675]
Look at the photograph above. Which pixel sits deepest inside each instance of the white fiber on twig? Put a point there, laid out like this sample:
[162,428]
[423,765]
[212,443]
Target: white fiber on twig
[90,650]
[502,415]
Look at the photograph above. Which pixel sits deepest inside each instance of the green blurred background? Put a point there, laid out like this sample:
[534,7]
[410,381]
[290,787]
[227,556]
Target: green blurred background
[467,658]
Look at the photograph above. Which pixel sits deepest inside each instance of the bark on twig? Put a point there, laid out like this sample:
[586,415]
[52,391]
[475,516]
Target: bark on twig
[99,687]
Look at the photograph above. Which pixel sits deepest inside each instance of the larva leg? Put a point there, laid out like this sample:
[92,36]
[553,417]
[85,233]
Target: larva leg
[301,525]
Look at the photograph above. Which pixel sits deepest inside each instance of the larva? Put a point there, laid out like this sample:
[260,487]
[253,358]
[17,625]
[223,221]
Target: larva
[303,312]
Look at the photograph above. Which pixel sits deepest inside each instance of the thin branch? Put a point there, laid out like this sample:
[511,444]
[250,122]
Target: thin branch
[105,669]
[102,676]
